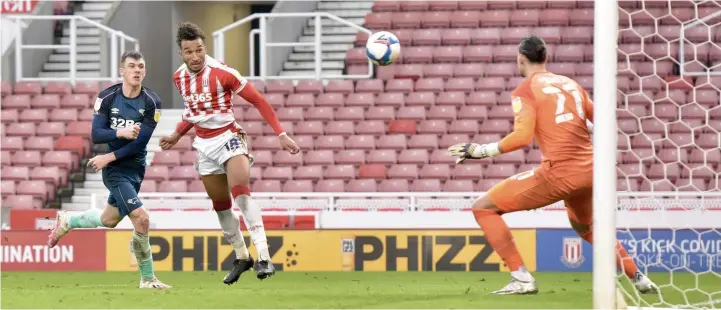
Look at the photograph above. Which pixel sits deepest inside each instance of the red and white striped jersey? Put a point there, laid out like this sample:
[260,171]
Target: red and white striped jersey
[208,93]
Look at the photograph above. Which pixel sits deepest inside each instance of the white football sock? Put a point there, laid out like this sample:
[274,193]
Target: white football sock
[230,225]
[251,213]
[522,275]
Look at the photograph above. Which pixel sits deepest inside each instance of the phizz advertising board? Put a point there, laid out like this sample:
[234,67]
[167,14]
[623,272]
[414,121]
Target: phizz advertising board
[662,250]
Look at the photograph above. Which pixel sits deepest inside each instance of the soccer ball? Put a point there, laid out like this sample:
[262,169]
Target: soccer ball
[383,48]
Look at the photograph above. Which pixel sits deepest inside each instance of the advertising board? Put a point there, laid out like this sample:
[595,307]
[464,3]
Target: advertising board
[327,250]
[82,250]
[662,250]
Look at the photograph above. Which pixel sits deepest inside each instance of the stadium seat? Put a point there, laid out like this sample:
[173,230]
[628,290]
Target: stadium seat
[15,173]
[362,185]
[173,186]
[35,144]
[308,173]
[28,88]
[336,186]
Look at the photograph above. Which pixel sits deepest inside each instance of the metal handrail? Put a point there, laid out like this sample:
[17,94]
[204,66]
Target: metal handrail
[219,42]
[116,36]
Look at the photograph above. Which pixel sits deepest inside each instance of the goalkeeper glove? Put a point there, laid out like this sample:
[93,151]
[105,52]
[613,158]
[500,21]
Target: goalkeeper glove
[473,150]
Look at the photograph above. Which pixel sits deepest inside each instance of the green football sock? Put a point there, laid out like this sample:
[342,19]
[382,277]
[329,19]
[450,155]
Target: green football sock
[87,219]
[141,248]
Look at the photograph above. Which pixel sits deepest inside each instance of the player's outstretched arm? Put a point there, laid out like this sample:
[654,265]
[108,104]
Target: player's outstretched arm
[250,94]
[180,130]
[522,135]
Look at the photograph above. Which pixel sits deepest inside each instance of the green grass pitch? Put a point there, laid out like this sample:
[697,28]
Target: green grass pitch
[310,290]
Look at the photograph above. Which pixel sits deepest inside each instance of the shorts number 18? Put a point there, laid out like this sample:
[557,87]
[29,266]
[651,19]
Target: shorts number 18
[232,145]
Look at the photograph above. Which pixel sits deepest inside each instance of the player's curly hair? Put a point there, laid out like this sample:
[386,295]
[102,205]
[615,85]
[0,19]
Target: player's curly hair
[188,31]
[534,48]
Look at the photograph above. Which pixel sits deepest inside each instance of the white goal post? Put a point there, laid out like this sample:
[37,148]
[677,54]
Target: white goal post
[605,32]
[656,90]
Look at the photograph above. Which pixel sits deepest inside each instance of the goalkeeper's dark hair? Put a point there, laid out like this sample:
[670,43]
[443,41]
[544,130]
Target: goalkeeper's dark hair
[534,48]
[135,55]
[188,31]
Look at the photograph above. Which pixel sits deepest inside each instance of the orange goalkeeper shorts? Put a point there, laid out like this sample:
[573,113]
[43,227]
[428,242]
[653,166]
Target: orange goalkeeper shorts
[544,186]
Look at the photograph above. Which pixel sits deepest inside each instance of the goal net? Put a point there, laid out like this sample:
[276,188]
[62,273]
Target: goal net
[668,120]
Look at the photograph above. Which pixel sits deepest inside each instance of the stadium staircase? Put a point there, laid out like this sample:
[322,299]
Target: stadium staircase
[337,39]
[88,49]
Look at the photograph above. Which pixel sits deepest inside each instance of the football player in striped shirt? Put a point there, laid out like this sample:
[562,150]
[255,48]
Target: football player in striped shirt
[207,87]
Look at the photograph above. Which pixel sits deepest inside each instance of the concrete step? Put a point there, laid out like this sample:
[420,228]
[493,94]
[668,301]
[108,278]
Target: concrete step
[329,39]
[346,14]
[81,40]
[308,65]
[325,22]
[92,14]
[65,74]
[81,49]
[65,66]
[88,191]
[97,6]
[310,31]
[311,56]
[342,5]
[94,184]
[78,199]
[309,72]
[84,32]
[81,58]
[78,206]
[325,48]
[94,177]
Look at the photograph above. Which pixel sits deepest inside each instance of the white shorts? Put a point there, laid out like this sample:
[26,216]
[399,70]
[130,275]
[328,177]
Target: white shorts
[214,152]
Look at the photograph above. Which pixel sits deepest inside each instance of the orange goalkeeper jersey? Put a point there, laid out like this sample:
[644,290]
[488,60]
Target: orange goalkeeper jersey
[552,109]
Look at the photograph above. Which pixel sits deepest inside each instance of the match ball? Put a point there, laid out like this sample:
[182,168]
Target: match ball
[383,48]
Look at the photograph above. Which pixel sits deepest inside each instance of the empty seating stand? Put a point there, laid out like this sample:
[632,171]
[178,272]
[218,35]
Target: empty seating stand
[451,84]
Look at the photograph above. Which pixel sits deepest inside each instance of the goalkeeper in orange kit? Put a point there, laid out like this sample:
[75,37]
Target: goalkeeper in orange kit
[558,113]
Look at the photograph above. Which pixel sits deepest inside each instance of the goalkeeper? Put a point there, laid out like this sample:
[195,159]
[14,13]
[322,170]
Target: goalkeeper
[554,110]
[125,117]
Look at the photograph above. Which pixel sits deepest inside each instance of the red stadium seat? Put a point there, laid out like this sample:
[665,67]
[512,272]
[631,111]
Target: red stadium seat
[345,172]
[435,171]
[58,88]
[308,173]
[372,171]
[426,185]
[393,186]
[386,157]
[186,173]
[12,143]
[350,157]
[15,173]
[6,88]
[37,144]
[16,101]
[362,185]
[336,186]
[361,142]
[390,99]
[28,88]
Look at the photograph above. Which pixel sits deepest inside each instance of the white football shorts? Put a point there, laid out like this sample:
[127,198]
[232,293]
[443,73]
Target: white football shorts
[214,152]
